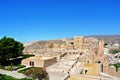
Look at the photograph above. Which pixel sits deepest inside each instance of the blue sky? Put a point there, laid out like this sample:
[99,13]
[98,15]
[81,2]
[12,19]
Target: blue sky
[28,20]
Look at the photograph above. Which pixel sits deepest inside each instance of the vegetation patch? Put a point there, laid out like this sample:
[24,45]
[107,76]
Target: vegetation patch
[12,67]
[35,73]
[27,56]
[114,51]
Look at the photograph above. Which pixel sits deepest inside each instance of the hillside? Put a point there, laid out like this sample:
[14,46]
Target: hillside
[108,38]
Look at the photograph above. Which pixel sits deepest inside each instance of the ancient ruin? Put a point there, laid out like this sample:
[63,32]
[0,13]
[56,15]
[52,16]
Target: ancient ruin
[76,57]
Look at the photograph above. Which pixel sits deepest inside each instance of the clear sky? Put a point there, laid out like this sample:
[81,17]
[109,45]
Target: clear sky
[28,20]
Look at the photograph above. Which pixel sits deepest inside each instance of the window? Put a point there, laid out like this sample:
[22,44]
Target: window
[31,63]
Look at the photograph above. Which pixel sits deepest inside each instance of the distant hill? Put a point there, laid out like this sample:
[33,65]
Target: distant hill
[41,44]
[29,43]
[108,38]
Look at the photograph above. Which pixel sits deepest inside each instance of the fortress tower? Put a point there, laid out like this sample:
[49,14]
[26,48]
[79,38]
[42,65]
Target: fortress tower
[101,47]
[78,42]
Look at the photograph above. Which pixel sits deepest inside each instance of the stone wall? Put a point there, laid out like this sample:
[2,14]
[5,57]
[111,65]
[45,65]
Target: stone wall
[50,62]
[78,41]
[83,77]
[37,63]
[111,71]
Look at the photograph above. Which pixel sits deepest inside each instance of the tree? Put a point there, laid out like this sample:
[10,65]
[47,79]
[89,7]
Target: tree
[9,48]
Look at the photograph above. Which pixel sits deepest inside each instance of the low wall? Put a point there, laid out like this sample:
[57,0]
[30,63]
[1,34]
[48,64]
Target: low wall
[111,71]
[84,77]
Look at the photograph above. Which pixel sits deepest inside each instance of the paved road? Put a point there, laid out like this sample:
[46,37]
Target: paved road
[23,68]
[12,73]
[56,75]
